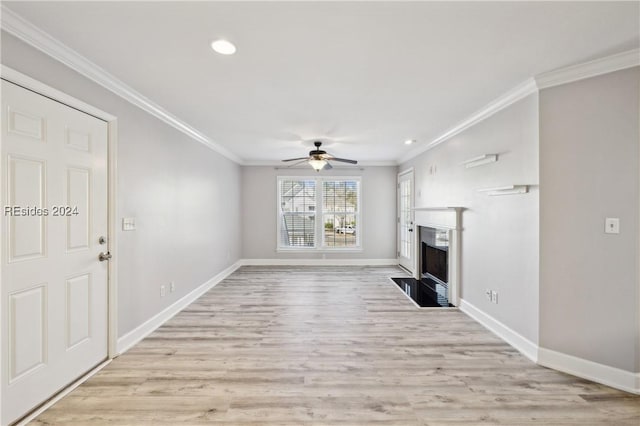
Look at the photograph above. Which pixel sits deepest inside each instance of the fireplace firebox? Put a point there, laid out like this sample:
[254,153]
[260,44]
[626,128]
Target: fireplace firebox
[434,254]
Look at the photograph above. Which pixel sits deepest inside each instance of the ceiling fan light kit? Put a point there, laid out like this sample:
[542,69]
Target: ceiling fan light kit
[319,159]
[317,164]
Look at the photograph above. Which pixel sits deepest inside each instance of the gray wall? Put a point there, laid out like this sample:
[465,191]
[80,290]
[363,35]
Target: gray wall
[184,196]
[589,164]
[259,212]
[500,234]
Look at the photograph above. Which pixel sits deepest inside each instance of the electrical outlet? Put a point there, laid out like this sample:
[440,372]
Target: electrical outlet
[487,293]
[163,291]
[494,297]
[172,286]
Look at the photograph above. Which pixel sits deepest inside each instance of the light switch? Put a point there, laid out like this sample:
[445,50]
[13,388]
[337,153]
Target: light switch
[612,225]
[128,223]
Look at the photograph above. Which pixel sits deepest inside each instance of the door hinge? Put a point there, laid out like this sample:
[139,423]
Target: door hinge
[398,254]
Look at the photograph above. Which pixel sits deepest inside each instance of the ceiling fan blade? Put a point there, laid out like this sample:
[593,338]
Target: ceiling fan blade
[295,164]
[296,159]
[327,166]
[344,160]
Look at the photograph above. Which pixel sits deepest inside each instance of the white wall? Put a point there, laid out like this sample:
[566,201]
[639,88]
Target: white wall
[259,212]
[500,234]
[184,196]
[587,301]
[589,156]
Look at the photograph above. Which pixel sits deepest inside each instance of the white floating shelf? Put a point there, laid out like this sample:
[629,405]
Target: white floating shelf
[481,160]
[506,190]
[437,208]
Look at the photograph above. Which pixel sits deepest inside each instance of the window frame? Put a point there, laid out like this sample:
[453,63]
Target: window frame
[319,244]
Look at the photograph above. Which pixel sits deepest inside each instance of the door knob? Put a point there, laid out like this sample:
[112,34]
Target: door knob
[104,256]
[410,230]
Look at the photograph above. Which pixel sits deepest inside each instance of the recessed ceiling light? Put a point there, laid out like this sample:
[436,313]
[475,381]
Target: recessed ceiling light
[223,47]
[409,141]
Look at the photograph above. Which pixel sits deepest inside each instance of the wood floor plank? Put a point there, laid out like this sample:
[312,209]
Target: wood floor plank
[330,346]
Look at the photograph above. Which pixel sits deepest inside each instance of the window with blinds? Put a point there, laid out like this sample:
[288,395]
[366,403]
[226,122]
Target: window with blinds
[319,213]
[340,201]
[297,213]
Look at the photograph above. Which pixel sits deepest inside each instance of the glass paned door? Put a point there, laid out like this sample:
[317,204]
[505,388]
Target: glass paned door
[406,237]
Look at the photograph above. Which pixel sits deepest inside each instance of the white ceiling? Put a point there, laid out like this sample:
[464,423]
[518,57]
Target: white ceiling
[362,76]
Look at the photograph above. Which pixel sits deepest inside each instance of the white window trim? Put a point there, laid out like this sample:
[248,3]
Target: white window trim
[319,246]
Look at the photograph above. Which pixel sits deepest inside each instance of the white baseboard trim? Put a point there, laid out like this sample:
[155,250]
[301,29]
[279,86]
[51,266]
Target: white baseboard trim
[610,376]
[134,336]
[319,262]
[519,342]
[600,373]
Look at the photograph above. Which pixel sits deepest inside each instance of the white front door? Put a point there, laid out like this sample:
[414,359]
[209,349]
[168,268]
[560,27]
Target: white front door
[54,288]
[406,238]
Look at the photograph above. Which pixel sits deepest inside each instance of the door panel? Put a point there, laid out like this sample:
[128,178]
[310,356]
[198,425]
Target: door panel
[28,337]
[26,184]
[25,124]
[78,196]
[77,140]
[78,309]
[406,241]
[54,289]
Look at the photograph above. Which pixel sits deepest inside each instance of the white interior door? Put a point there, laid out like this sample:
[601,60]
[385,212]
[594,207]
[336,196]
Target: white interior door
[54,288]
[406,238]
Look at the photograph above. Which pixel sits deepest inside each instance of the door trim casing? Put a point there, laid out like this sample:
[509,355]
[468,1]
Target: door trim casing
[36,86]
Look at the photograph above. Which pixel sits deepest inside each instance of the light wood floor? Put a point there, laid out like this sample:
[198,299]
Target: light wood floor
[330,345]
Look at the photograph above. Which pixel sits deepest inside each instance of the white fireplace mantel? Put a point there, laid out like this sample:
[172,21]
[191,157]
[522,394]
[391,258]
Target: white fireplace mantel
[438,217]
[449,218]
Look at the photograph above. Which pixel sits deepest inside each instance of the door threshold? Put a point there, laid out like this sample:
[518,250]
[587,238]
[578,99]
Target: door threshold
[61,394]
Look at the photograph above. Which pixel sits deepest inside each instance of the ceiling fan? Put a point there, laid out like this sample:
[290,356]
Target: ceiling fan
[319,159]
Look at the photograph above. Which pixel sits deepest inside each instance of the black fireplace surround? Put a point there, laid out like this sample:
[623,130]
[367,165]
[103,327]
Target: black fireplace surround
[434,254]
[431,289]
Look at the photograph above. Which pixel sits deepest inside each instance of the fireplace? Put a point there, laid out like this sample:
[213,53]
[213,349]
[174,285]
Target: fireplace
[437,249]
[434,254]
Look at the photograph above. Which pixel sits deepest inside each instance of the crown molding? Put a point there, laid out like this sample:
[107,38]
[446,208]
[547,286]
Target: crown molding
[617,62]
[512,96]
[19,27]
